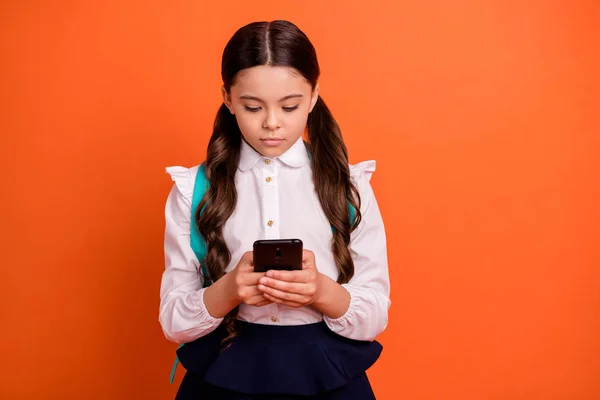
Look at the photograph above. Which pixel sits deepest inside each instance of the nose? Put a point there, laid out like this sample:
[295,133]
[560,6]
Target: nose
[271,122]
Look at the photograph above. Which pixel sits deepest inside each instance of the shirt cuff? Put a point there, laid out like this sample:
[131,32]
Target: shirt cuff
[189,319]
[198,301]
[347,317]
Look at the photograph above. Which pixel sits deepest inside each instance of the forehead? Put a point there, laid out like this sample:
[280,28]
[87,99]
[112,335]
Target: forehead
[268,82]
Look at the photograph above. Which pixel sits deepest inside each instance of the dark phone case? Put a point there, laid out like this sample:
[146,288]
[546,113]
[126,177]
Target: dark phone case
[278,254]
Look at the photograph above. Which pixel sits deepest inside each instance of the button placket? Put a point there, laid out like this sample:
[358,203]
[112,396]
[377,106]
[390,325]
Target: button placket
[270,212]
[270,199]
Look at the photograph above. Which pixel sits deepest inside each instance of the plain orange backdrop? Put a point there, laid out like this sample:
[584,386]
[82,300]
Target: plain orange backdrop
[483,119]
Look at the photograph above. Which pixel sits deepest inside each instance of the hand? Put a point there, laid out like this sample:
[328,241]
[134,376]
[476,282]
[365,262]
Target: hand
[293,288]
[246,282]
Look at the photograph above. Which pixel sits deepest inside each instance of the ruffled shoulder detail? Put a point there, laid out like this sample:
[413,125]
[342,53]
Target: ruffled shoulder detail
[184,179]
[362,170]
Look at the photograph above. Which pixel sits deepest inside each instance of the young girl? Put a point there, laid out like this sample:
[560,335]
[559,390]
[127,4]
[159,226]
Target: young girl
[306,334]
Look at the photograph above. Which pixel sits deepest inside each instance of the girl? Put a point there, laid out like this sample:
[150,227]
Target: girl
[306,334]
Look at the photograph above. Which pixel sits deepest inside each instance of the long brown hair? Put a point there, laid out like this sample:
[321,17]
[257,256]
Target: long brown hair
[277,43]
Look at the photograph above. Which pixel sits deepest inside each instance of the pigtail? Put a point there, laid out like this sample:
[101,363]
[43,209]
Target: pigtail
[333,185]
[220,200]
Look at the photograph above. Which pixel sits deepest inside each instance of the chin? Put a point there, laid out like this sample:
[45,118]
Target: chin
[272,152]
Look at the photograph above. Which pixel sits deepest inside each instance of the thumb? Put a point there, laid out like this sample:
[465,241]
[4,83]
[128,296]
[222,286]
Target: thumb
[308,260]
[247,261]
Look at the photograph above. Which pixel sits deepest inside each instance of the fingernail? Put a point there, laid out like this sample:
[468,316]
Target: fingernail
[263,281]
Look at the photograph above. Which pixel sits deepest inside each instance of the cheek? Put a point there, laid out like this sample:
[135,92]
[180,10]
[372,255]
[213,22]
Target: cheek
[297,122]
[249,124]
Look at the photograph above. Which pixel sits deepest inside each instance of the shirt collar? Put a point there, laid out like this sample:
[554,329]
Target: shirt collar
[296,156]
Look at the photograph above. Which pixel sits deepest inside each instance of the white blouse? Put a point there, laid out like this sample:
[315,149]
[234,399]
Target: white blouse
[284,206]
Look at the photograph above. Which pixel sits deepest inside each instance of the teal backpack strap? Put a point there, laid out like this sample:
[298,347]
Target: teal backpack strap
[175,363]
[352,213]
[197,242]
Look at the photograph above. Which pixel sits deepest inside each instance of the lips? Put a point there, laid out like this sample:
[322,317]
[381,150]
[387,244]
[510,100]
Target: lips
[271,141]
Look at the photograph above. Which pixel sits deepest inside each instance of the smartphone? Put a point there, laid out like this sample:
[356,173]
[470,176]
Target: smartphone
[278,254]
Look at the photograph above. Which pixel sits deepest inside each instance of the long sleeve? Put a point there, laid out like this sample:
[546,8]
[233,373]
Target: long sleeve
[369,288]
[183,315]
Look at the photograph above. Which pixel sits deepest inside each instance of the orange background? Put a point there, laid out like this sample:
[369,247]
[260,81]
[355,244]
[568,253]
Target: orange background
[483,117]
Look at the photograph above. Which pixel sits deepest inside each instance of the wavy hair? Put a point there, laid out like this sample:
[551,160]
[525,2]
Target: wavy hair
[277,43]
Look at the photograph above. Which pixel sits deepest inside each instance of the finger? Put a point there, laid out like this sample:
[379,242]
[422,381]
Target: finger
[251,278]
[289,287]
[281,295]
[257,299]
[249,291]
[289,276]
[284,302]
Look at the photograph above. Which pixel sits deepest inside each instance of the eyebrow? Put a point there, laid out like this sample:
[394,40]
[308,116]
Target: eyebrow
[290,96]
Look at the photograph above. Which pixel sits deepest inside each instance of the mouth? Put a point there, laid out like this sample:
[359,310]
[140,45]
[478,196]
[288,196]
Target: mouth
[272,142]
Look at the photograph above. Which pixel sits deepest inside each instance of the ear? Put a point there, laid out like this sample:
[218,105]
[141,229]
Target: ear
[314,97]
[227,99]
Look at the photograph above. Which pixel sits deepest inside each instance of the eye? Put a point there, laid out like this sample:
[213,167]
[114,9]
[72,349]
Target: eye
[290,109]
[252,109]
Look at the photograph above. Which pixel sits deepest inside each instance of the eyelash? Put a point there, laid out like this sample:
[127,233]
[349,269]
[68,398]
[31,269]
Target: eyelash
[257,109]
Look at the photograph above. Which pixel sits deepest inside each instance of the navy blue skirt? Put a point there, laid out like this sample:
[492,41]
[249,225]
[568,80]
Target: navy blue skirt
[277,363]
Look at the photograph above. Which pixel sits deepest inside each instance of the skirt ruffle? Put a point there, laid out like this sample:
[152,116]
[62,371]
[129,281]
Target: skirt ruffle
[265,359]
